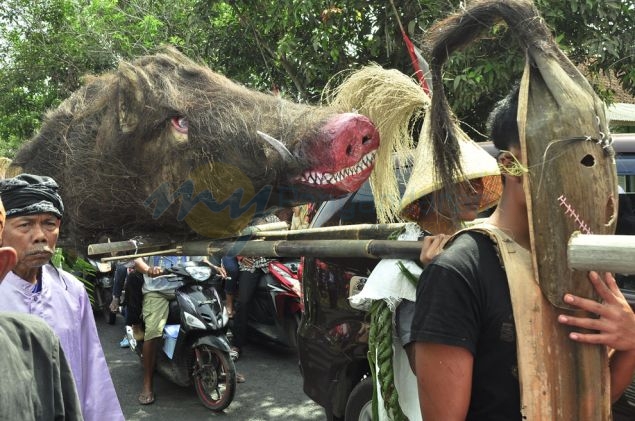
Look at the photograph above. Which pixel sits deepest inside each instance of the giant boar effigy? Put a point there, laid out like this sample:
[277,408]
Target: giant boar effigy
[163,144]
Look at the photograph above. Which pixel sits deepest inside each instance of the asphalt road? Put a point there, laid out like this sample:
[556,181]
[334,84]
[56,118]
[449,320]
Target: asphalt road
[273,390]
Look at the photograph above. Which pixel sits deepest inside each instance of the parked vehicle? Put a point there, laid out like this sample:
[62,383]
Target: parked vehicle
[99,287]
[333,336]
[276,307]
[195,349]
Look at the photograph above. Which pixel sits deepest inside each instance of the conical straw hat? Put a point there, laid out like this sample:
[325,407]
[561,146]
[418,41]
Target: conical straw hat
[475,162]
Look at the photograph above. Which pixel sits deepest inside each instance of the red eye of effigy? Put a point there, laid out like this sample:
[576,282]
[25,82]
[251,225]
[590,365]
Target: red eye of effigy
[180,124]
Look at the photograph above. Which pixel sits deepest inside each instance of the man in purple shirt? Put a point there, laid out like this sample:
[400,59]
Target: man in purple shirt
[36,383]
[34,211]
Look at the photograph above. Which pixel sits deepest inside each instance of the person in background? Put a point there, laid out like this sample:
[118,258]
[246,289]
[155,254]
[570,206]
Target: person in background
[156,295]
[625,226]
[118,284]
[250,269]
[300,219]
[129,277]
[230,264]
[34,212]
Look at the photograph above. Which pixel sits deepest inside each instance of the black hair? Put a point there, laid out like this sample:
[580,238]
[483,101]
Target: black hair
[502,125]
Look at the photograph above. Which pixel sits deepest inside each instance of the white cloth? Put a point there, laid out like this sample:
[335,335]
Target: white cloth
[388,282]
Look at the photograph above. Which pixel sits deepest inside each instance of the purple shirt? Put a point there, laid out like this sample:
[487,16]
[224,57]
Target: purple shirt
[64,305]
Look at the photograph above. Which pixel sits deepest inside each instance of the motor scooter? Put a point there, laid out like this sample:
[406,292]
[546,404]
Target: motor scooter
[276,307]
[195,349]
[99,288]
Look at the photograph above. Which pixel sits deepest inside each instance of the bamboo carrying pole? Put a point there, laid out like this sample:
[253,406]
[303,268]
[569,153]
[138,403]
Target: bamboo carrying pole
[348,232]
[257,229]
[273,230]
[371,249]
[143,243]
[154,242]
[611,253]
[604,253]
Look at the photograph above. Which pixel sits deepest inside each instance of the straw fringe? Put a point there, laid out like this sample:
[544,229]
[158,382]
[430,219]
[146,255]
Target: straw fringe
[392,101]
[4,165]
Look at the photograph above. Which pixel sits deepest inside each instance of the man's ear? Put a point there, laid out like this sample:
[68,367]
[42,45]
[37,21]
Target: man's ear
[8,259]
[509,165]
[505,159]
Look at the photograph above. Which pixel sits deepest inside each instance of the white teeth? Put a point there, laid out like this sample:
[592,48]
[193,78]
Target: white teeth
[314,177]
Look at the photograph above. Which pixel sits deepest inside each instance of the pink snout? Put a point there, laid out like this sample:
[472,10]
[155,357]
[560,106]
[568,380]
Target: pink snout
[347,156]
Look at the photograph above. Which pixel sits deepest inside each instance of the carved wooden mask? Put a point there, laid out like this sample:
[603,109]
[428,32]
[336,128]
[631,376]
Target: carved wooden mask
[571,184]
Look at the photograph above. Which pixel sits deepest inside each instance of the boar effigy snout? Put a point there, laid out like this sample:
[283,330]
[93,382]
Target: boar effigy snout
[344,155]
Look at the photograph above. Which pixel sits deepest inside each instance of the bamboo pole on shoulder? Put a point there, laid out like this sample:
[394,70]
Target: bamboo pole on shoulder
[273,231]
[369,249]
[610,253]
[348,232]
[372,249]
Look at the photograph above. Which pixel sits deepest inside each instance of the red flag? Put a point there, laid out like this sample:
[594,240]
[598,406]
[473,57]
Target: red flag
[420,65]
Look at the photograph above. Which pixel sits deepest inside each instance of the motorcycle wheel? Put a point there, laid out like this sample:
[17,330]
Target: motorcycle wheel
[106,297]
[359,406]
[214,377]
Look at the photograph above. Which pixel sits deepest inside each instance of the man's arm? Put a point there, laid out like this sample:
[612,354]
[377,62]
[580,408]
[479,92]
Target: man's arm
[622,369]
[220,269]
[614,327]
[444,381]
[141,266]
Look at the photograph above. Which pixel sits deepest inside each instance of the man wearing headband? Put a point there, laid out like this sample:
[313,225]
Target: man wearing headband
[34,211]
[38,383]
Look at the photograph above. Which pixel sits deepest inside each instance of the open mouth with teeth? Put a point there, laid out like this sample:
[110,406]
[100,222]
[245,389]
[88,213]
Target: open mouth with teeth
[343,180]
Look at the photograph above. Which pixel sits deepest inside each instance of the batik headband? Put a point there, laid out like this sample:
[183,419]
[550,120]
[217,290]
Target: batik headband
[28,194]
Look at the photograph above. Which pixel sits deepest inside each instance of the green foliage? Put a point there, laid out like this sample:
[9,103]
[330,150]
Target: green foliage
[294,46]
[76,265]
[599,33]
[79,267]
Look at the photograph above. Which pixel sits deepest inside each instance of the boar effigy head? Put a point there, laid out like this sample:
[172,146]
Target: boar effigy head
[165,144]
